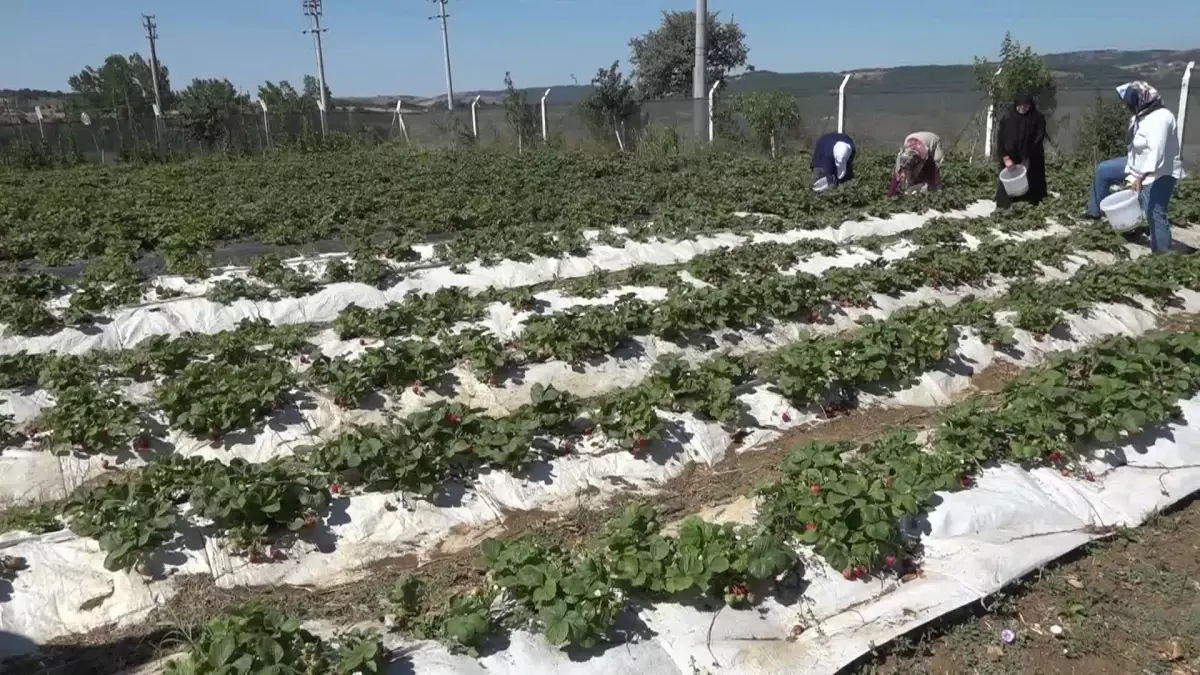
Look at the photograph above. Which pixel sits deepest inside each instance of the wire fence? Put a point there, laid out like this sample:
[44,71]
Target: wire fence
[874,120]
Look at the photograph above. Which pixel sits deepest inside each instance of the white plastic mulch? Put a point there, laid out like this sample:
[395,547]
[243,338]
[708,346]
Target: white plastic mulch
[979,539]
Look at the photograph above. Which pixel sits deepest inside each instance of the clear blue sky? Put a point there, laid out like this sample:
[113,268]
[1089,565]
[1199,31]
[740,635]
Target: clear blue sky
[390,46]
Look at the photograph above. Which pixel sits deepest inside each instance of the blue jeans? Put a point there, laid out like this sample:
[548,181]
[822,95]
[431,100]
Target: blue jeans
[1154,197]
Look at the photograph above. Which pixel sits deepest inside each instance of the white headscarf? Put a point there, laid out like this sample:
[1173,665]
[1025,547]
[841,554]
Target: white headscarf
[841,158]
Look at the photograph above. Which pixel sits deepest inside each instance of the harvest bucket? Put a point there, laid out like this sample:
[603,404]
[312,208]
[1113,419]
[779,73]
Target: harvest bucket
[1014,180]
[1122,210]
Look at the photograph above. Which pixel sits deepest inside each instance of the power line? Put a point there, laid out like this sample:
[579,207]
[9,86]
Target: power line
[442,15]
[312,9]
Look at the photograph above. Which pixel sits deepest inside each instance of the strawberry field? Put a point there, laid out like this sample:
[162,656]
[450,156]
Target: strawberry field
[549,374]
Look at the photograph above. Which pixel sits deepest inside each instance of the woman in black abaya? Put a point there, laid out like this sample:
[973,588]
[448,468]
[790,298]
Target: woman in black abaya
[1021,140]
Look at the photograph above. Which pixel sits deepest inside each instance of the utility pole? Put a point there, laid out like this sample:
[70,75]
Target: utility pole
[152,36]
[699,94]
[442,15]
[312,9]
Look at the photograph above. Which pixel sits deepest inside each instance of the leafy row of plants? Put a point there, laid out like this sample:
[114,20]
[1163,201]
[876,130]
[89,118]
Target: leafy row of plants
[72,215]
[452,442]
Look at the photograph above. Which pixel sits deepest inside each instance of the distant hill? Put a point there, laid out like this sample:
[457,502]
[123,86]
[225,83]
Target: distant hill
[1074,70]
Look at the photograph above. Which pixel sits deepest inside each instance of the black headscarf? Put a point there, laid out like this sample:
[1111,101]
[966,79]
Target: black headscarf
[1021,135]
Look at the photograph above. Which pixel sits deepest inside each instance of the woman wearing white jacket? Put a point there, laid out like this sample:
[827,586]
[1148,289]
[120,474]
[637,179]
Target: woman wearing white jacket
[1152,164]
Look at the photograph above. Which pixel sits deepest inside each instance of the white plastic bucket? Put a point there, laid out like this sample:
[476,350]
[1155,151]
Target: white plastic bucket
[1122,209]
[821,184]
[1014,180]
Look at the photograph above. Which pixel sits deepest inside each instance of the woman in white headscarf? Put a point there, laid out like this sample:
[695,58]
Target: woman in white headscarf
[918,166]
[1151,165]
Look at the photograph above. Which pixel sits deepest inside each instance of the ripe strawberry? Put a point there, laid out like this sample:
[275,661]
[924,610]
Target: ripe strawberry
[966,481]
[815,489]
[492,381]
[890,560]
[362,342]
[797,630]
[642,442]
[1088,476]
[812,317]
[848,574]
[810,527]
[255,559]
[567,448]
[1066,472]
[309,522]
[452,418]
[587,431]
[334,488]
[860,572]
[1054,456]
[786,418]
[274,405]
[303,358]
[143,443]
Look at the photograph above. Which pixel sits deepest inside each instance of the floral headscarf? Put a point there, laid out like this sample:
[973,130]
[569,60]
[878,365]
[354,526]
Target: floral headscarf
[1139,97]
[912,160]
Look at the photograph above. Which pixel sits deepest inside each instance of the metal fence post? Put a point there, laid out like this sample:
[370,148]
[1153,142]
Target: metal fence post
[545,134]
[712,93]
[841,120]
[991,118]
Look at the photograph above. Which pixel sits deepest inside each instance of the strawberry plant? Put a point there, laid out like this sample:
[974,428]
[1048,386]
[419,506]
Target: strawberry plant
[129,520]
[214,398]
[260,639]
[91,420]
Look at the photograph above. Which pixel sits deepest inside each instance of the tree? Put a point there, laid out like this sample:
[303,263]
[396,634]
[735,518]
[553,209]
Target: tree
[663,59]
[611,103]
[1023,72]
[1102,129]
[518,112]
[123,84]
[312,93]
[771,114]
[206,107]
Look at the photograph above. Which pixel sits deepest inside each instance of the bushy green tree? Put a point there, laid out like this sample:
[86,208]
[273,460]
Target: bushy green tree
[122,86]
[206,107]
[611,105]
[518,112]
[772,115]
[663,59]
[1102,129]
[1022,72]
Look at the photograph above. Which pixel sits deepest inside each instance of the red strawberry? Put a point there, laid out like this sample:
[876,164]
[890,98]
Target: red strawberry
[887,483]
[1066,472]
[1088,476]
[810,527]
[143,443]
[848,574]
[587,431]
[890,560]
[567,448]
[815,489]
[274,405]
[309,522]
[859,572]
[786,418]
[452,418]
[334,488]
[492,381]
[642,442]
[812,317]
[362,342]
[303,358]
[255,559]
[797,629]
[1055,456]
[966,481]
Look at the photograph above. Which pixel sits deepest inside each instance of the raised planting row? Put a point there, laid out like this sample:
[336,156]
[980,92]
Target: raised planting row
[250,504]
[212,385]
[841,501]
[57,217]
